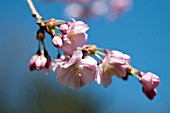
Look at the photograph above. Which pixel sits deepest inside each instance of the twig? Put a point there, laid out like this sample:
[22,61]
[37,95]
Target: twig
[35,14]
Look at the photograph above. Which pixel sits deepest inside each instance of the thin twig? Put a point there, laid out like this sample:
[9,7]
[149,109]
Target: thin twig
[35,14]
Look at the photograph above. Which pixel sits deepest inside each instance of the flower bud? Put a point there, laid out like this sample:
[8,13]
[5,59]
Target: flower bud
[150,81]
[63,28]
[57,41]
[40,62]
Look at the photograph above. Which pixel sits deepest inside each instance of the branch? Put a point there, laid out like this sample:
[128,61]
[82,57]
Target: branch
[35,14]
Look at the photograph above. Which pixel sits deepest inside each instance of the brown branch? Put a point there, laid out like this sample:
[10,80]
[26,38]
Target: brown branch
[35,14]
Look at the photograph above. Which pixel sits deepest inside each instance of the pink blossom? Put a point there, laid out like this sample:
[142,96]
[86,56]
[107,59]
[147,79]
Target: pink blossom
[150,81]
[77,71]
[75,37]
[59,62]
[114,63]
[40,62]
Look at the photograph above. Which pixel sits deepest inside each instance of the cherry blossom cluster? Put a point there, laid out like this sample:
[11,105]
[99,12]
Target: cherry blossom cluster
[77,63]
[92,8]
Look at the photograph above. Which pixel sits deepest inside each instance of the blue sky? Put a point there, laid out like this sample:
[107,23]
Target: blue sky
[143,33]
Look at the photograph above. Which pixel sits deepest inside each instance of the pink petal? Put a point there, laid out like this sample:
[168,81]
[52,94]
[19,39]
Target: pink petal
[88,75]
[69,48]
[77,55]
[69,79]
[106,80]
[99,74]
[81,27]
[74,82]
[119,71]
[89,62]
[40,62]
[72,25]
[63,76]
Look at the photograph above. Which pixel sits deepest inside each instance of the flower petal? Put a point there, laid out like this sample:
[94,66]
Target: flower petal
[74,82]
[106,80]
[63,76]
[88,75]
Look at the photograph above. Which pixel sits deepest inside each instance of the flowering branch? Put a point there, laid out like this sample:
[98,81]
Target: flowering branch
[75,65]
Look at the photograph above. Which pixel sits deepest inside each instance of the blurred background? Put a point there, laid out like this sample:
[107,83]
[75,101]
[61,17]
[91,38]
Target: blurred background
[142,30]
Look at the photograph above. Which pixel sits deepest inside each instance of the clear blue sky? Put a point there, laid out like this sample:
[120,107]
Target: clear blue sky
[143,33]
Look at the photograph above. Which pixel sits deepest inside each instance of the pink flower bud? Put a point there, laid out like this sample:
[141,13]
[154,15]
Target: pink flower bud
[57,41]
[150,81]
[40,62]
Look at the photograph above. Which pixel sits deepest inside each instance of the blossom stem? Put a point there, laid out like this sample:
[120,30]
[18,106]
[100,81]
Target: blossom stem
[98,57]
[59,53]
[43,45]
[39,45]
[135,75]
[38,51]
[100,53]
[99,49]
